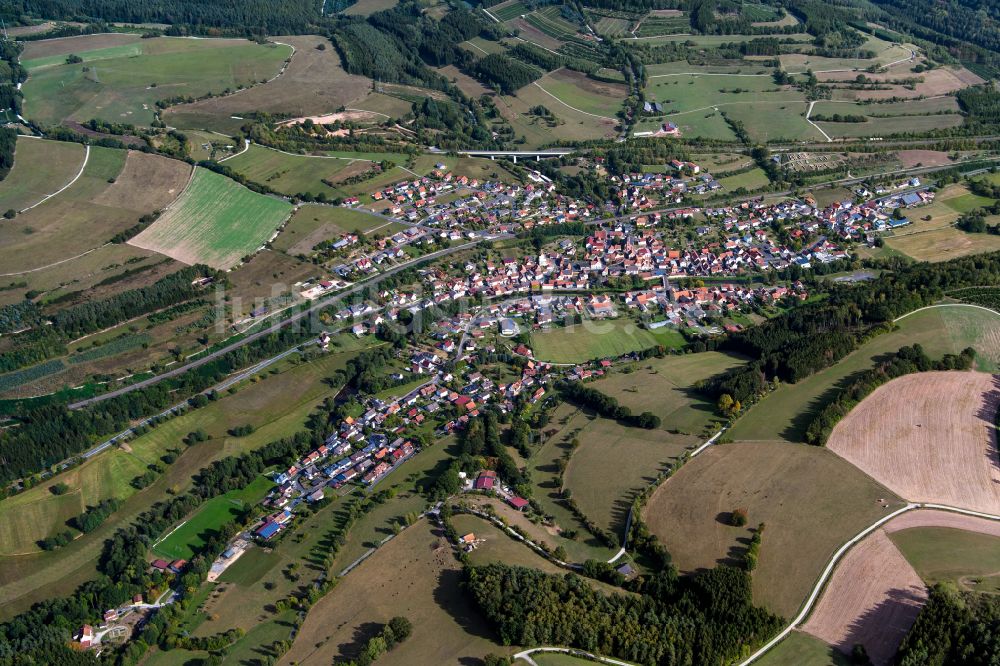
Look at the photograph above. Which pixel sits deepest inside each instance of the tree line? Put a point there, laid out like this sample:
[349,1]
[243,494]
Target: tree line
[607,406]
[705,619]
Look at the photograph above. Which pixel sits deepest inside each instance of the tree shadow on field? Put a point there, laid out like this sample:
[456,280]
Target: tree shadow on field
[796,430]
[361,635]
[989,411]
[881,628]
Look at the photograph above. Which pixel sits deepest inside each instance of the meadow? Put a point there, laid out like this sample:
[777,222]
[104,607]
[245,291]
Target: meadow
[665,387]
[48,244]
[289,173]
[599,339]
[424,586]
[584,94]
[122,83]
[313,83]
[784,413]
[312,224]
[41,167]
[215,221]
[183,541]
[811,500]
[570,124]
[968,560]
[800,649]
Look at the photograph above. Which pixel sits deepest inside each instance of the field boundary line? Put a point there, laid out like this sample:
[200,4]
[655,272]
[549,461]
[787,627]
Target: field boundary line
[61,261]
[818,128]
[835,560]
[86,158]
[592,115]
[946,305]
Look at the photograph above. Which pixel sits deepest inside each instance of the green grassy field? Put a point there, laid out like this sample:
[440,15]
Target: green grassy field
[40,167]
[664,386]
[187,538]
[811,500]
[508,10]
[613,462]
[215,221]
[312,224]
[288,173]
[599,339]
[544,466]
[253,565]
[784,413]
[585,94]
[122,83]
[800,649]
[969,560]
[751,180]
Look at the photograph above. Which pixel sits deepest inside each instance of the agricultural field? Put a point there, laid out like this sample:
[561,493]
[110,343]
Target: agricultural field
[41,167]
[639,455]
[122,76]
[751,180]
[599,339]
[665,387]
[811,500]
[801,649]
[506,11]
[949,547]
[312,224]
[367,7]
[872,599]
[936,239]
[785,413]
[313,83]
[289,173]
[53,244]
[662,22]
[886,53]
[570,125]
[424,587]
[583,94]
[948,458]
[215,221]
[276,406]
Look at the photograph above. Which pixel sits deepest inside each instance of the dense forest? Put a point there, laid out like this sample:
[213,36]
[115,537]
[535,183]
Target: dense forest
[243,16]
[708,619]
[954,628]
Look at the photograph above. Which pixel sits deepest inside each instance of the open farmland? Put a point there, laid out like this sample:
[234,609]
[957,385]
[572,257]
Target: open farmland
[801,649]
[41,167]
[665,387]
[215,221]
[570,125]
[121,83]
[594,340]
[930,437]
[811,500]
[289,173]
[936,239]
[639,455]
[313,83]
[950,547]
[102,202]
[873,599]
[785,412]
[423,586]
[584,94]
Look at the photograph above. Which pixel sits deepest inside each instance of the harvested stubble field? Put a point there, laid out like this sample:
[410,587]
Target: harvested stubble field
[930,437]
[873,599]
[811,501]
[423,585]
[215,221]
[123,76]
[313,83]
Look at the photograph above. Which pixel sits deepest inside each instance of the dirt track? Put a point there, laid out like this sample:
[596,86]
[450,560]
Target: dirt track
[873,599]
[943,519]
[929,437]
